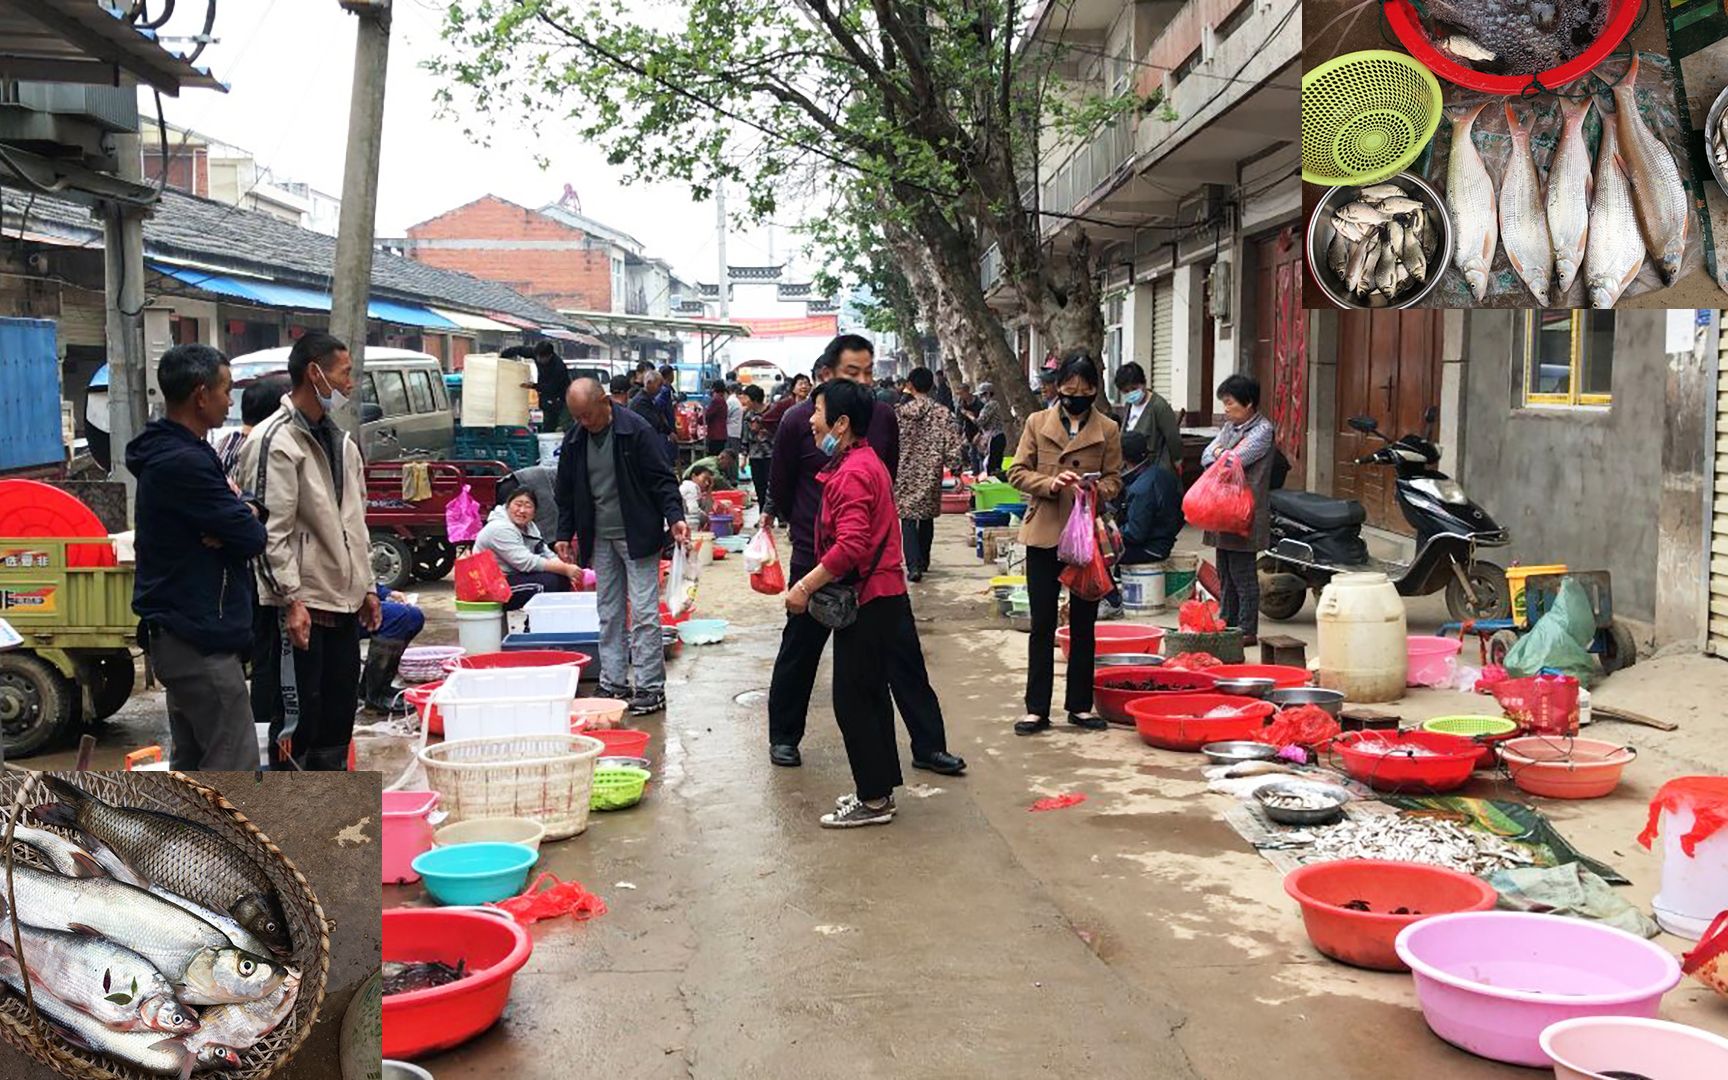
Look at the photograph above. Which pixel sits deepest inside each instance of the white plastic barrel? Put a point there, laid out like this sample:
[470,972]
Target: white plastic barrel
[550,444]
[1694,887]
[1362,638]
[480,631]
[1143,589]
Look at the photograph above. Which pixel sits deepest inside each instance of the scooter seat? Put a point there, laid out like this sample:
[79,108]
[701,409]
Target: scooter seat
[1318,511]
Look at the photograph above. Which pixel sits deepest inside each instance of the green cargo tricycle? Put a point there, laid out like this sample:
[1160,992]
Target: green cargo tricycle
[75,660]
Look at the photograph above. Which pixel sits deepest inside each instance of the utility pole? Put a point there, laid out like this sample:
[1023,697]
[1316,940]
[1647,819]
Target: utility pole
[725,272]
[123,275]
[351,282]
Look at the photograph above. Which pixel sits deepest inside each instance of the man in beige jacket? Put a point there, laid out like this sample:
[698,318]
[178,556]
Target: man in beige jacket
[315,577]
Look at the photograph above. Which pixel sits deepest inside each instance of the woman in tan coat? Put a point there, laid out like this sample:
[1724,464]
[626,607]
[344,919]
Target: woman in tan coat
[1070,445]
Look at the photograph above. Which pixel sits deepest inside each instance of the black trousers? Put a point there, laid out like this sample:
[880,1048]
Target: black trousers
[993,458]
[715,446]
[794,679]
[317,688]
[759,467]
[916,536]
[1043,590]
[1240,582]
[862,703]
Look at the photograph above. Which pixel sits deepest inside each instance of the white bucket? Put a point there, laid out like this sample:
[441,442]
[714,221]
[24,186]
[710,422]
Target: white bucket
[1364,647]
[480,631]
[1143,589]
[550,444]
[1694,887]
[263,731]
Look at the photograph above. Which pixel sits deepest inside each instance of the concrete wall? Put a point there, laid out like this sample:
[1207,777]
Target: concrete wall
[1575,486]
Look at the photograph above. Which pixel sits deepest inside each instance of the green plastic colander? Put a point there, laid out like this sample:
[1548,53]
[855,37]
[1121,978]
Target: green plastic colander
[617,788]
[1366,116]
[1471,726]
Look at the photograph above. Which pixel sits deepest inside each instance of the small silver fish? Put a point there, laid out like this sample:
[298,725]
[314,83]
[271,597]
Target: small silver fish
[239,1027]
[1523,219]
[1658,195]
[1460,47]
[1616,251]
[1568,198]
[1376,192]
[1361,213]
[1470,198]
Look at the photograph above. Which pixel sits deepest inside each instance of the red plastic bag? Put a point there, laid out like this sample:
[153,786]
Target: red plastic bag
[1200,617]
[762,560]
[1191,661]
[462,517]
[1705,796]
[1302,725]
[1708,963]
[479,580]
[1092,581]
[1058,802]
[563,898]
[1542,704]
[1221,500]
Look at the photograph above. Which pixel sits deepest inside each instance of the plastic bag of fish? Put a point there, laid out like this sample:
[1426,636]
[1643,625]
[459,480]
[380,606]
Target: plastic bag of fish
[152,940]
[1382,243]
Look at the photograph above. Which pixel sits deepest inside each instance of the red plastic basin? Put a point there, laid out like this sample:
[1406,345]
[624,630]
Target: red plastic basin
[1179,721]
[622,742]
[1283,676]
[493,947]
[420,697]
[1118,638]
[520,658]
[1413,761]
[1365,938]
[1112,701]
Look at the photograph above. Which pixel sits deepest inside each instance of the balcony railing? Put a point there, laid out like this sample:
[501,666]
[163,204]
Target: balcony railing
[1089,167]
[990,268]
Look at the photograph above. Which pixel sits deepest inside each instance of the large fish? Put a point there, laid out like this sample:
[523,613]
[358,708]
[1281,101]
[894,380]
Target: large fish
[177,855]
[236,933]
[239,1027]
[1568,202]
[149,1050]
[1658,196]
[62,854]
[1470,198]
[198,959]
[115,985]
[1523,221]
[1616,251]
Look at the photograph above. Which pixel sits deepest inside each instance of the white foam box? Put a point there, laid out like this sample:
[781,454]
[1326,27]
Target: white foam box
[492,390]
[563,613]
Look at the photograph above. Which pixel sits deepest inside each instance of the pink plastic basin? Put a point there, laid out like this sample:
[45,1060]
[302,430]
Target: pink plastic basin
[1428,658]
[407,832]
[1586,1049]
[1490,982]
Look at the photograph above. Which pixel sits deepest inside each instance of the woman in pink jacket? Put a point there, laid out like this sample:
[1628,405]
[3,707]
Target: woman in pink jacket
[858,546]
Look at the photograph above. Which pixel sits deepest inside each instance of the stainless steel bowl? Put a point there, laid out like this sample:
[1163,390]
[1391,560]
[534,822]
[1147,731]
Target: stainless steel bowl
[1237,751]
[1132,659]
[624,763]
[1246,687]
[1330,700]
[1336,795]
[1716,109]
[1320,237]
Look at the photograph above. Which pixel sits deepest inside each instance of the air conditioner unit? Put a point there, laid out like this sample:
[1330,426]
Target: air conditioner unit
[1208,44]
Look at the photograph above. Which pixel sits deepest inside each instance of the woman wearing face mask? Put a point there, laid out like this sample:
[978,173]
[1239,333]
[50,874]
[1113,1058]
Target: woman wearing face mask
[513,538]
[1250,434]
[1070,445]
[1145,410]
[858,546]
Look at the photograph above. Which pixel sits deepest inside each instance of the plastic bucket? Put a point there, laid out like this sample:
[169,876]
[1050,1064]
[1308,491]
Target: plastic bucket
[1179,574]
[1516,577]
[550,444]
[720,525]
[1694,887]
[407,833]
[1429,660]
[481,631]
[1143,589]
[1594,1046]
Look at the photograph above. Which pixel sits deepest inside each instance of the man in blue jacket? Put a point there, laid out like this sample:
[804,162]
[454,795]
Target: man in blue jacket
[616,498]
[1151,515]
[193,592]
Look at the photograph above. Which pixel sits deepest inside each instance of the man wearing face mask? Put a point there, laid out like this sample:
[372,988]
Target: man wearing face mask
[1144,410]
[315,576]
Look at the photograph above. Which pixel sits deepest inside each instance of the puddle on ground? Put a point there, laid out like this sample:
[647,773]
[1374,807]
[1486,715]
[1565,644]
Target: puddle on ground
[752,698]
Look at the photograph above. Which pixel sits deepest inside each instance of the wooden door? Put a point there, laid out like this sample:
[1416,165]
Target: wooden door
[1388,368]
[1280,344]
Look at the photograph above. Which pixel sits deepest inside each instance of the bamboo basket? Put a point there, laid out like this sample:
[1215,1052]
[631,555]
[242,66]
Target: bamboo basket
[173,793]
[548,778]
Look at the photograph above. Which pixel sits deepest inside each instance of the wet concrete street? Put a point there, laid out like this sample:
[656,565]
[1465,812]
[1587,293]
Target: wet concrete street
[1134,935]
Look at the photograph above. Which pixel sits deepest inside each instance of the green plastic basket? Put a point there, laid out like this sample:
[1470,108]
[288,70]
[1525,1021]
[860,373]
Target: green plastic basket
[1366,116]
[617,788]
[1470,726]
[989,494]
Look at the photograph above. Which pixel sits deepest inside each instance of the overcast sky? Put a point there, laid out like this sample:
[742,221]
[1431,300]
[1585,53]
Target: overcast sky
[288,64]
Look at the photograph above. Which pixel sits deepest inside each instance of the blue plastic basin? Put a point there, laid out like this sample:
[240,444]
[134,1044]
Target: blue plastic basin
[475,873]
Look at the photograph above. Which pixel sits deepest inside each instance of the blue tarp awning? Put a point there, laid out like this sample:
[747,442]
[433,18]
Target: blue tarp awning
[276,294]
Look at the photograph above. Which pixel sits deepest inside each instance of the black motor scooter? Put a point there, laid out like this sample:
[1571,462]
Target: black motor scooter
[1315,537]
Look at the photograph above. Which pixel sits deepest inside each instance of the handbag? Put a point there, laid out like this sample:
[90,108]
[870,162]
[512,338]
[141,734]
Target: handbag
[835,605]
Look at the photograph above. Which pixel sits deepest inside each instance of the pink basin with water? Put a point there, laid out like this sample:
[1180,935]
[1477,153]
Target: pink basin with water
[1490,982]
[1589,1048]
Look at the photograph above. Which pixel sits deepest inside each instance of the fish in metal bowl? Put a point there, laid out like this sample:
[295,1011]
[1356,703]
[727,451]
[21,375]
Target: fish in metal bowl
[1384,245]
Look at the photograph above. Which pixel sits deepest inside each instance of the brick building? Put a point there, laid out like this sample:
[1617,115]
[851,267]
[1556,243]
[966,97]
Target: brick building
[552,261]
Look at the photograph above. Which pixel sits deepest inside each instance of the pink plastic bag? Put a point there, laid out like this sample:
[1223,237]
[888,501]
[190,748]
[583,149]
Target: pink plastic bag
[462,517]
[1079,541]
[1221,500]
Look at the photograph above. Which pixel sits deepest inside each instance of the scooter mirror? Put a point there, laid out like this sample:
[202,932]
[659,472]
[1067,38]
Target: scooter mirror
[1364,424]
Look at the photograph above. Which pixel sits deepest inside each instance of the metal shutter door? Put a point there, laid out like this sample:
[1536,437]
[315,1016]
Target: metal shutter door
[1163,334]
[1718,630]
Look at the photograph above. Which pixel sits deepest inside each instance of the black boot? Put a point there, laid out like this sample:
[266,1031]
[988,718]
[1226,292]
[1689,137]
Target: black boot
[327,759]
[382,657]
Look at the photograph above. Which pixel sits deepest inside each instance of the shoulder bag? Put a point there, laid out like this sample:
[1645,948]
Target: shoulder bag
[835,605]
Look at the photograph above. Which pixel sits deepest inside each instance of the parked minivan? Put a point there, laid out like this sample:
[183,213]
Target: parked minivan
[404,406]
